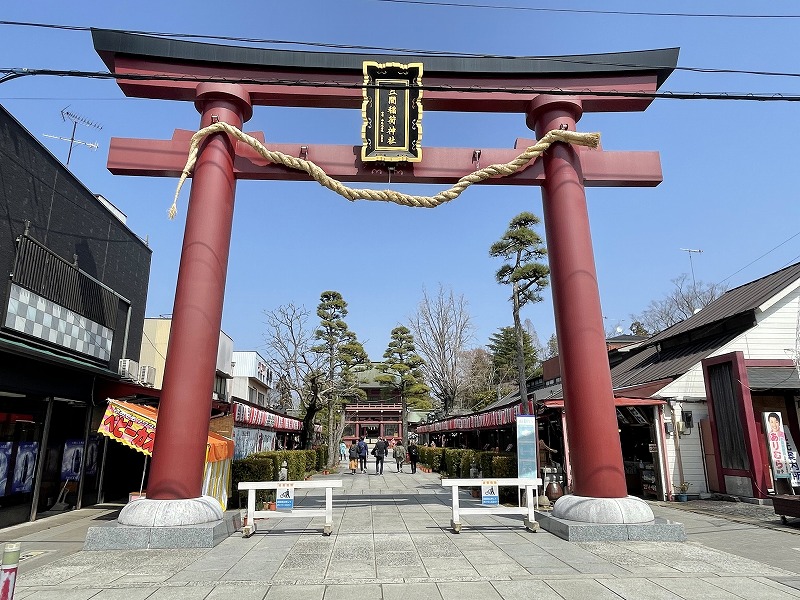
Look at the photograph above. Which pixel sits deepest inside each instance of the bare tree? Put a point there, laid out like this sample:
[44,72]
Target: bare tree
[480,373]
[302,380]
[442,329]
[685,299]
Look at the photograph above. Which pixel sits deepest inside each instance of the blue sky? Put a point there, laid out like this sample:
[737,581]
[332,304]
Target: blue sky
[729,166]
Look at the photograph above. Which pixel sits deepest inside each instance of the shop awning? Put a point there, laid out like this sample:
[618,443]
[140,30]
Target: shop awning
[618,401]
[134,425]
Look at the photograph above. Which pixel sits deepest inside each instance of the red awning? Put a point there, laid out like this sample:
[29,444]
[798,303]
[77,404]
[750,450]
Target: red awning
[621,401]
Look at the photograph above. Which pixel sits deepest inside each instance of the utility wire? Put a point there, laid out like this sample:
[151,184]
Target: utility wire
[401,50]
[760,257]
[759,97]
[589,11]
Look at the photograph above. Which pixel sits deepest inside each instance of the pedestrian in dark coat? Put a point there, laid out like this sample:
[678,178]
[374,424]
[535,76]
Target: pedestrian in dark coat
[413,456]
[380,451]
[362,455]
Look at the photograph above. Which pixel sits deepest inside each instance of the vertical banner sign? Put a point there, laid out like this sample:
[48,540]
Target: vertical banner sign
[794,466]
[285,496]
[527,454]
[72,460]
[27,453]
[5,463]
[490,495]
[776,444]
[392,112]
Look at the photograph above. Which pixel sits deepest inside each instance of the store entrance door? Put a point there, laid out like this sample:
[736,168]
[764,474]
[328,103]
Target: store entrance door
[639,451]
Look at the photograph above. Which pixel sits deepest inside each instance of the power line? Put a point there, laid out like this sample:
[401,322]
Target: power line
[12,73]
[589,11]
[752,262]
[410,51]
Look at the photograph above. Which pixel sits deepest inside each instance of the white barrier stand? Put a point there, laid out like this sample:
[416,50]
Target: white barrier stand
[531,500]
[252,514]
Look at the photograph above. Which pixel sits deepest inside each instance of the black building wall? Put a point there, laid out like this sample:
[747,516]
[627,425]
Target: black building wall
[67,218]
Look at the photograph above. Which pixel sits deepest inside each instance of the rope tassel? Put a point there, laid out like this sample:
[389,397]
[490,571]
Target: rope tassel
[590,140]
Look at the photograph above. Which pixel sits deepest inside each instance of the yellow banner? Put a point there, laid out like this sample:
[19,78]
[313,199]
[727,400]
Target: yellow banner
[133,427]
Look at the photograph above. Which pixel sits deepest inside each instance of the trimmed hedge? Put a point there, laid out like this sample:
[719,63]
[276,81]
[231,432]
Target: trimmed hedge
[266,466]
[457,462]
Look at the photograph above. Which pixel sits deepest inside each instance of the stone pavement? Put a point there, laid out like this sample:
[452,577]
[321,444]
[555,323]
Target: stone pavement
[391,539]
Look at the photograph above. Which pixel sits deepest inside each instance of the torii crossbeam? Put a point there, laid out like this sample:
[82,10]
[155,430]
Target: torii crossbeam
[226,82]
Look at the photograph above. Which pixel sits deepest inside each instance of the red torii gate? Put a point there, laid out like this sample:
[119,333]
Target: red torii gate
[169,69]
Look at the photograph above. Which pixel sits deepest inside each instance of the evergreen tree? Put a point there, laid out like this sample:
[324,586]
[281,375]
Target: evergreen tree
[552,347]
[503,346]
[523,248]
[401,371]
[343,356]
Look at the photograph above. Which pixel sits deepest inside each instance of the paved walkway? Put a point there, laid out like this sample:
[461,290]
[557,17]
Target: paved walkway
[391,539]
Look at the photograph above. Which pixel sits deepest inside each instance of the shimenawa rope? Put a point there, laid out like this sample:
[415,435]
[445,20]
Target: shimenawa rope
[590,140]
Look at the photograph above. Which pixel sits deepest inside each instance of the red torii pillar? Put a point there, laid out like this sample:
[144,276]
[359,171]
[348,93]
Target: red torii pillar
[594,447]
[179,452]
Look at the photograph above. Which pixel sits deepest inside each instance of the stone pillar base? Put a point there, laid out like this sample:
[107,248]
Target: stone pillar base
[170,513]
[603,510]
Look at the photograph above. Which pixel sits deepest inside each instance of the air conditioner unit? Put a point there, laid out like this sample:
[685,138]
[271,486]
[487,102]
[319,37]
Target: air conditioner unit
[128,369]
[147,375]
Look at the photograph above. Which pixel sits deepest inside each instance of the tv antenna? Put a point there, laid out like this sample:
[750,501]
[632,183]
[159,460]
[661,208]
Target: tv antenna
[691,265]
[68,115]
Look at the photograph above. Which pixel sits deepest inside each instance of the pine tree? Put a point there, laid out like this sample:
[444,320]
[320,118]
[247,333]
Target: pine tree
[523,247]
[401,371]
[344,355]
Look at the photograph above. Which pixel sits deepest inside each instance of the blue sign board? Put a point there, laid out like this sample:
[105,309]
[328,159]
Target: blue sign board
[285,497]
[490,495]
[527,454]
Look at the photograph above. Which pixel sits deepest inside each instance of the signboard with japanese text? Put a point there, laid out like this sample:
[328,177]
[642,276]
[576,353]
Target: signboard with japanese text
[794,466]
[284,498]
[247,441]
[776,445]
[490,493]
[527,454]
[392,112]
[134,429]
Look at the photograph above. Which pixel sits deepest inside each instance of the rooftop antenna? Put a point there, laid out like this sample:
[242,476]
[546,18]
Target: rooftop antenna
[68,115]
[691,265]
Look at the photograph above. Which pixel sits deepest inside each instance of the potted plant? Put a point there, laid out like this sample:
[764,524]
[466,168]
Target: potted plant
[681,491]
[269,503]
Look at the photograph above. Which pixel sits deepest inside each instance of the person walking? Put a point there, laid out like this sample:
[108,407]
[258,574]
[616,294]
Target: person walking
[353,453]
[380,451]
[399,455]
[342,451]
[413,456]
[362,454]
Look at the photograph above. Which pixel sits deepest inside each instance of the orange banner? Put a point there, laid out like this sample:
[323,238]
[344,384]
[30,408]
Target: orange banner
[129,424]
[135,426]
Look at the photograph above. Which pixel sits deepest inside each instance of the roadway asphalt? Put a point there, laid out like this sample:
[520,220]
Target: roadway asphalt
[391,539]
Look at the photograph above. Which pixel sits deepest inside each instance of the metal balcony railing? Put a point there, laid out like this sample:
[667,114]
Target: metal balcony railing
[43,272]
